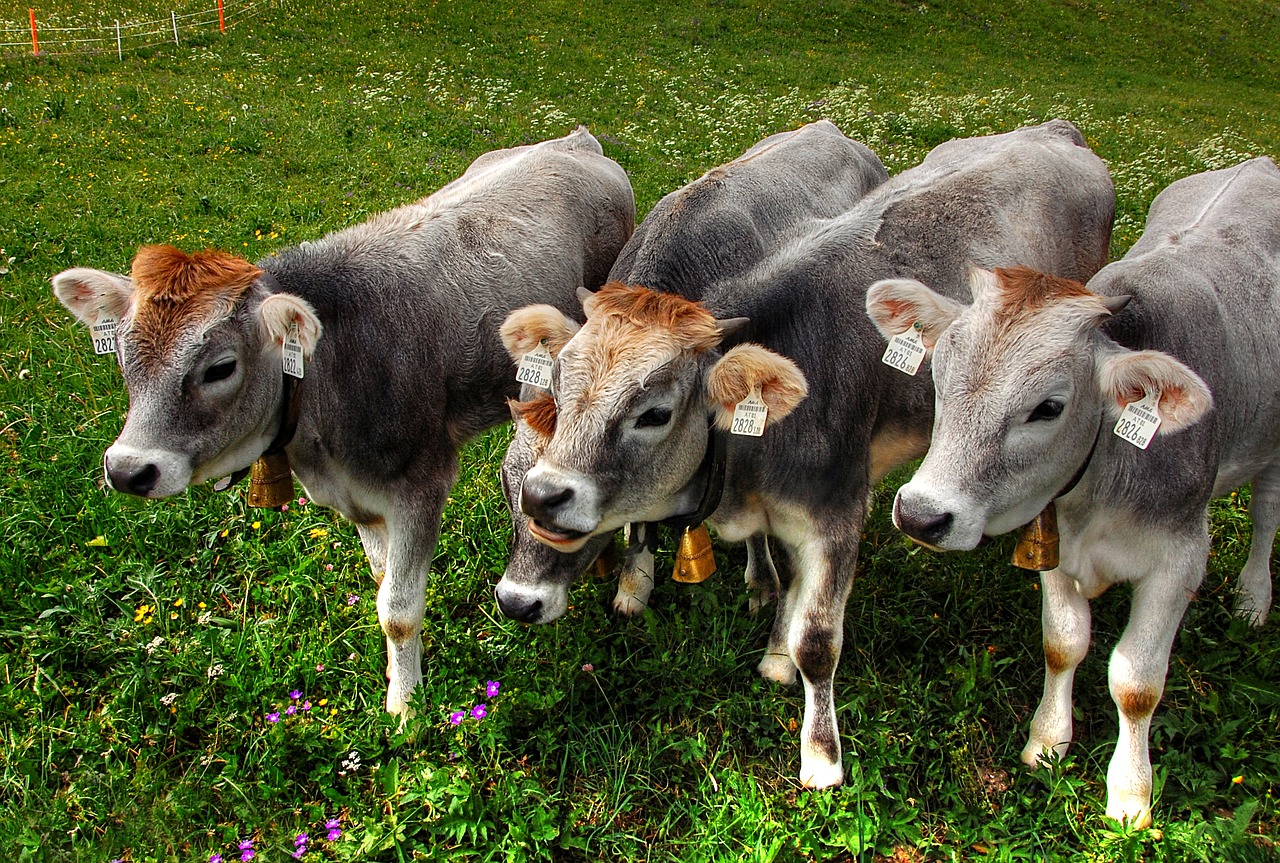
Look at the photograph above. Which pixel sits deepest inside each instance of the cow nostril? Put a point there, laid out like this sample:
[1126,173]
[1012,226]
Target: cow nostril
[538,500]
[143,480]
[932,528]
[525,612]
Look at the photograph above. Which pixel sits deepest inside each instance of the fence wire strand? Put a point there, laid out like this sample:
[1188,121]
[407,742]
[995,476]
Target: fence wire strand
[112,36]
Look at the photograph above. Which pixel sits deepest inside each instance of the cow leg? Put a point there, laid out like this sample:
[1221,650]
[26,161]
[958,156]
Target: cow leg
[1066,623]
[373,537]
[1136,676]
[823,576]
[1253,602]
[776,665]
[635,583]
[761,575]
[411,540]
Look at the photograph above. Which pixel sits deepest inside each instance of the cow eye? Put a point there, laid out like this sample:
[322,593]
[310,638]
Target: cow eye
[1049,409]
[653,418]
[219,371]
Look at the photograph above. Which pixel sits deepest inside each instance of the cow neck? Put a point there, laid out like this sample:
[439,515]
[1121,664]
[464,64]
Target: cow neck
[713,464]
[290,410]
[1037,547]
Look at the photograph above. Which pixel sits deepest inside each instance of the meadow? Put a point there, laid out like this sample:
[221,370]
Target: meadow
[179,678]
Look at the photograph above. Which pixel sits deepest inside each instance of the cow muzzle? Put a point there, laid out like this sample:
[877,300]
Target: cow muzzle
[530,604]
[145,474]
[561,508]
[932,522]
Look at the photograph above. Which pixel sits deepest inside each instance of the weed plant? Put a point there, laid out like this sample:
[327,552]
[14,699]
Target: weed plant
[188,679]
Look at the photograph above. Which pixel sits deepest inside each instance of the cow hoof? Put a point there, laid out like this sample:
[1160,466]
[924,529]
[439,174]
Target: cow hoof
[778,667]
[758,599]
[627,605]
[1250,613]
[1134,814]
[821,775]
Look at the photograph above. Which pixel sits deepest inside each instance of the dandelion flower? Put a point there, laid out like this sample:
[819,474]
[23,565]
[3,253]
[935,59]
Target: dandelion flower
[491,688]
[256,525]
[479,711]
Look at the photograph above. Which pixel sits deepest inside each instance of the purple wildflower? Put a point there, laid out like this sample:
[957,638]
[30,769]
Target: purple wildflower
[479,711]
[296,694]
[456,717]
[306,705]
[491,688]
[290,710]
[273,717]
[215,857]
[352,599]
[298,852]
[301,839]
[246,850]
[333,825]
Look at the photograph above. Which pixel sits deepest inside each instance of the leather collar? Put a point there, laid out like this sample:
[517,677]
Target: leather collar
[713,466]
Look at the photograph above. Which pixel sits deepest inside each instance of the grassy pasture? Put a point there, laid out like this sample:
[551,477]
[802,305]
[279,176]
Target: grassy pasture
[144,646]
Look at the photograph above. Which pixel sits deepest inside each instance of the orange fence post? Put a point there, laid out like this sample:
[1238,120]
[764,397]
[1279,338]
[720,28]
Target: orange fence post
[35,43]
[222,22]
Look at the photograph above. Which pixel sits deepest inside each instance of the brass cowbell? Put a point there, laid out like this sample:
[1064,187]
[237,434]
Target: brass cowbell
[695,561]
[1037,547]
[270,481]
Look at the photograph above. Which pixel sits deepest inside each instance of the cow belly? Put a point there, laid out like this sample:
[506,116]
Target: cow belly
[1109,547]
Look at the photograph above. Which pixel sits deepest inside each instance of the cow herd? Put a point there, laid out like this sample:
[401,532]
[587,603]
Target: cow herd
[756,355]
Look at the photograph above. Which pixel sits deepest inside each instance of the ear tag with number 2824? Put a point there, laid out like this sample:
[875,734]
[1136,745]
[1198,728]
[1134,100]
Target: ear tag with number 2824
[104,334]
[906,351]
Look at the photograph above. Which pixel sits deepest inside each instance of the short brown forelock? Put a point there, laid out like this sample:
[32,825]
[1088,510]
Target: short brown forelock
[693,326]
[539,413]
[1024,290]
[172,289]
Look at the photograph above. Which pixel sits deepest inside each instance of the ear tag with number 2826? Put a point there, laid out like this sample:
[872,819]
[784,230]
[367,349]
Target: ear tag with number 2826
[906,351]
[1139,420]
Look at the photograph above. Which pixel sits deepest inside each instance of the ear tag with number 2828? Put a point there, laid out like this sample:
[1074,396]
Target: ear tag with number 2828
[906,351]
[1139,420]
[535,367]
[749,416]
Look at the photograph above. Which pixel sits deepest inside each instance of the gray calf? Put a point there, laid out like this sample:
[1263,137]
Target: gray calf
[646,384]
[719,225]
[398,321]
[1032,380]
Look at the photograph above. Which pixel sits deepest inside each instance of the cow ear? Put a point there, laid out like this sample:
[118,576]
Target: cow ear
[896,305]
[91,294]
[750,367]
[279,311]
[1127,376]
[524,328]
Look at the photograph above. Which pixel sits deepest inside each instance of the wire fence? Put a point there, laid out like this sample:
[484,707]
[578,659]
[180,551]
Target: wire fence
[122,36]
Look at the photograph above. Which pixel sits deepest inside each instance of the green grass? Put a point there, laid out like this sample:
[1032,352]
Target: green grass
[312,116]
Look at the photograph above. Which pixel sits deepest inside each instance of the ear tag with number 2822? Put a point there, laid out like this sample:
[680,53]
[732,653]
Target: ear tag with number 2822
[104,334]
[906,351]
[291,353]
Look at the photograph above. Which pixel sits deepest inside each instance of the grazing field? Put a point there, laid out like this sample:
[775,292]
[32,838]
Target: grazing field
[180,677]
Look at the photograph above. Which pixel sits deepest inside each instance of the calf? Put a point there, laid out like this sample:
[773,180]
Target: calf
[1033,378]
[398,320]
[646,389]
[715,227]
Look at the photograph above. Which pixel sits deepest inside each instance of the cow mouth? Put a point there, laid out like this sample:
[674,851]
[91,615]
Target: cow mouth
[555,538]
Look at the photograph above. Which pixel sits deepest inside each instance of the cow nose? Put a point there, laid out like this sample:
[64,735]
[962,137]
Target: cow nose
[519,608]
[542,497]
[138,481]
[924,527]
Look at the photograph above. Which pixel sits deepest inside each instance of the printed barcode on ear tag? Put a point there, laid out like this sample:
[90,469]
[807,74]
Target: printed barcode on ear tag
[535,367]
[104,335]
[905,352]
[1139,421]
[291,353]
[749,416]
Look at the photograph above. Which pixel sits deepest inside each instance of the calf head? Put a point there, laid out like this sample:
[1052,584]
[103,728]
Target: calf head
[199,343]
[1025,384]
[636,390]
